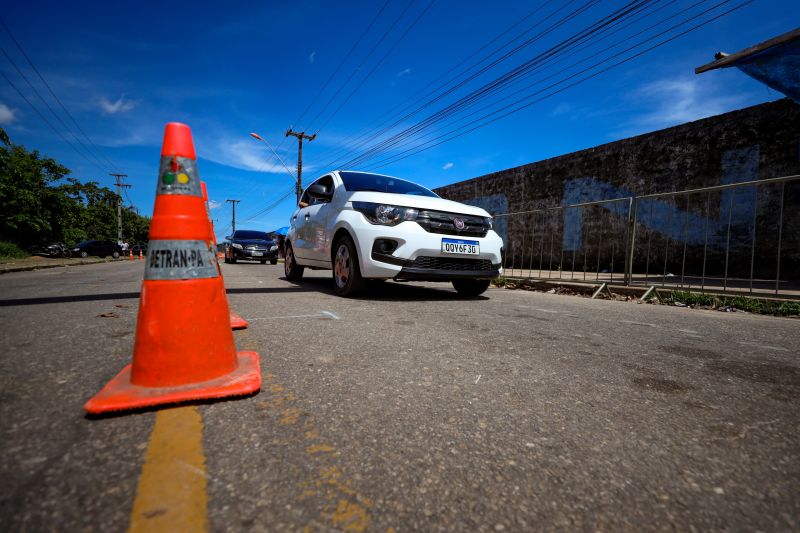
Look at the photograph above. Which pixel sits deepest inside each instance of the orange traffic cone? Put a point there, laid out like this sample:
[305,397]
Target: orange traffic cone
[130,255]
[184,346]
[141,257]
[237,322]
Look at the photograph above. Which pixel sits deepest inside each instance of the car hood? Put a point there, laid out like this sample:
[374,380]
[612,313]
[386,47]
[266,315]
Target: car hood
[418,202]
[248,242]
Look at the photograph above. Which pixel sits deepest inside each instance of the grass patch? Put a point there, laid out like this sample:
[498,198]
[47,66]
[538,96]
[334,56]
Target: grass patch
[743,303]
[499,281]
[9,250]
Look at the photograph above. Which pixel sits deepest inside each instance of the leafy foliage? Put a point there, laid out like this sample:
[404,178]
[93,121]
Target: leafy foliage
[10,250]
[41,204]
[751,305]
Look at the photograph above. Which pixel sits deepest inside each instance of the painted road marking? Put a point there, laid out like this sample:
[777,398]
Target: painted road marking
[171,495]
[634,323]
[763,346]
[321,314]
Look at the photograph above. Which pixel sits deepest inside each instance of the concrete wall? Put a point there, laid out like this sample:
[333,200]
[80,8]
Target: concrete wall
[750,144]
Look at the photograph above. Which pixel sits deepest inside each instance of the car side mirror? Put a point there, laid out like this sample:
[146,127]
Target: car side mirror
[319,191]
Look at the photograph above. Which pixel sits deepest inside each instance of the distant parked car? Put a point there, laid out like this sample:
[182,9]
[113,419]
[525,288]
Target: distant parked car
[98,248]
[251,245]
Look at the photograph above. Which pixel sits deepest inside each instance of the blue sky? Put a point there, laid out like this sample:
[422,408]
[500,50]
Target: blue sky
[123,70]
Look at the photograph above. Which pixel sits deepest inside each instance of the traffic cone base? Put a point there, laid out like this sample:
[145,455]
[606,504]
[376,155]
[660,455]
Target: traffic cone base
[237,322]
[120,394]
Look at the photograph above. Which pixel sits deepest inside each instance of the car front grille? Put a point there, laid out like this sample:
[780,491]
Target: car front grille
[453,264]
[443,222]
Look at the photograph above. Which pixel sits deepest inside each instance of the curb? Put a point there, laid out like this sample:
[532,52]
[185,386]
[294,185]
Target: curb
[25,268]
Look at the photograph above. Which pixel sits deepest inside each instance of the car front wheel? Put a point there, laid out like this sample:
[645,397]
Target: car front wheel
[347,279]
[471,287]
[115,255]
[291,269]
[84,254]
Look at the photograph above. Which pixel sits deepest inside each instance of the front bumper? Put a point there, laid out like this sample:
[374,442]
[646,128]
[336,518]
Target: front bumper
[418,254]
[249,255]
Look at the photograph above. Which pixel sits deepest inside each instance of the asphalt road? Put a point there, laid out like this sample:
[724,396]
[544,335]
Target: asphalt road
[410,409]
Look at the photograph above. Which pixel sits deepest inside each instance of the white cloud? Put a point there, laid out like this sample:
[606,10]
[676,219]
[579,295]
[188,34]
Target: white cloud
[213,204]
[561,109]
[404,72]
[120,106]
[248,154]
[448,166]
[312,57]
[7,115]
[680,100]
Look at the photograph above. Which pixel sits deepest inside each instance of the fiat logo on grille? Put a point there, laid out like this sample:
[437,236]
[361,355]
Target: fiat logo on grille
[458,223]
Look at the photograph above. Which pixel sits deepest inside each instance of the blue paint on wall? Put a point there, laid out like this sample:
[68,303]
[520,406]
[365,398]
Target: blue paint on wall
[664,216]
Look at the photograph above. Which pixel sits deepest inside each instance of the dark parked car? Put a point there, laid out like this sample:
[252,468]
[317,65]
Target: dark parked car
[98,248]
[250,245]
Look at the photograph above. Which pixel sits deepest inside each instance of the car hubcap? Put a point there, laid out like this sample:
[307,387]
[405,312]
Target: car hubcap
[341,268]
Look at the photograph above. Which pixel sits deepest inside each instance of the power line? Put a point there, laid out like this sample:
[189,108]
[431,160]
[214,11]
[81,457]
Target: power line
[375,67]
[535,38]
[96,162]
[456,133]
[551,57]
[366,134]
[53,94]
[341,63]
[46,121]
[517,71]
[363,61]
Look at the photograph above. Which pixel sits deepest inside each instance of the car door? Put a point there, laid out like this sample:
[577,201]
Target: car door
[311,227]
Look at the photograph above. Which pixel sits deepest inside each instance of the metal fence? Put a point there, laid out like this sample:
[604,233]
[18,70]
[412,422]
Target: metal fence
[736,238]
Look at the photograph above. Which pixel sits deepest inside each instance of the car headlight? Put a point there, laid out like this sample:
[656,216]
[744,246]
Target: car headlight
[273,248]
[237,246]
[385,215]
[489,222]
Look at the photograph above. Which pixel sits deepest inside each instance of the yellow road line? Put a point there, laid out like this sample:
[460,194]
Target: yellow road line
[171,495]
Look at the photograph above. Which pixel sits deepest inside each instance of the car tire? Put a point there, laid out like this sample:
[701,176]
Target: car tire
[347,279]
[233,260]
[227,260]
[471,287]
[263,261]
[273,261]
[291,269]
[84,254]
[115,255]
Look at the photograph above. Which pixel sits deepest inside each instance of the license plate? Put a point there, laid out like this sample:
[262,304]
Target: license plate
[257,254]
[461,247]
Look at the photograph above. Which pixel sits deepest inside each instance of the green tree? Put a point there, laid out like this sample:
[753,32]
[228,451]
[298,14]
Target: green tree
[24,180]
[41,204]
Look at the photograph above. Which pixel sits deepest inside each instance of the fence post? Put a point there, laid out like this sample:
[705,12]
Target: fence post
[633,207]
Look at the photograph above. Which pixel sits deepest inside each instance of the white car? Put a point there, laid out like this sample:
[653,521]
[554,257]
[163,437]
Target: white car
[370,226]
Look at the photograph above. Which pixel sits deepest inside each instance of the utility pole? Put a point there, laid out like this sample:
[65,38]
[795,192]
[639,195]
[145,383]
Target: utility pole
[233,218]
[120,186]
[300,136]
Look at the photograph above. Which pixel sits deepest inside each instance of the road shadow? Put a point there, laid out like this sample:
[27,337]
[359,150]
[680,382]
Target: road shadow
[132,295]
[389,291]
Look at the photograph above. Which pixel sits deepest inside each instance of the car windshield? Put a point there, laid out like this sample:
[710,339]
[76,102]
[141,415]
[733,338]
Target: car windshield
[251,235]
[362,181]
[85,243]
